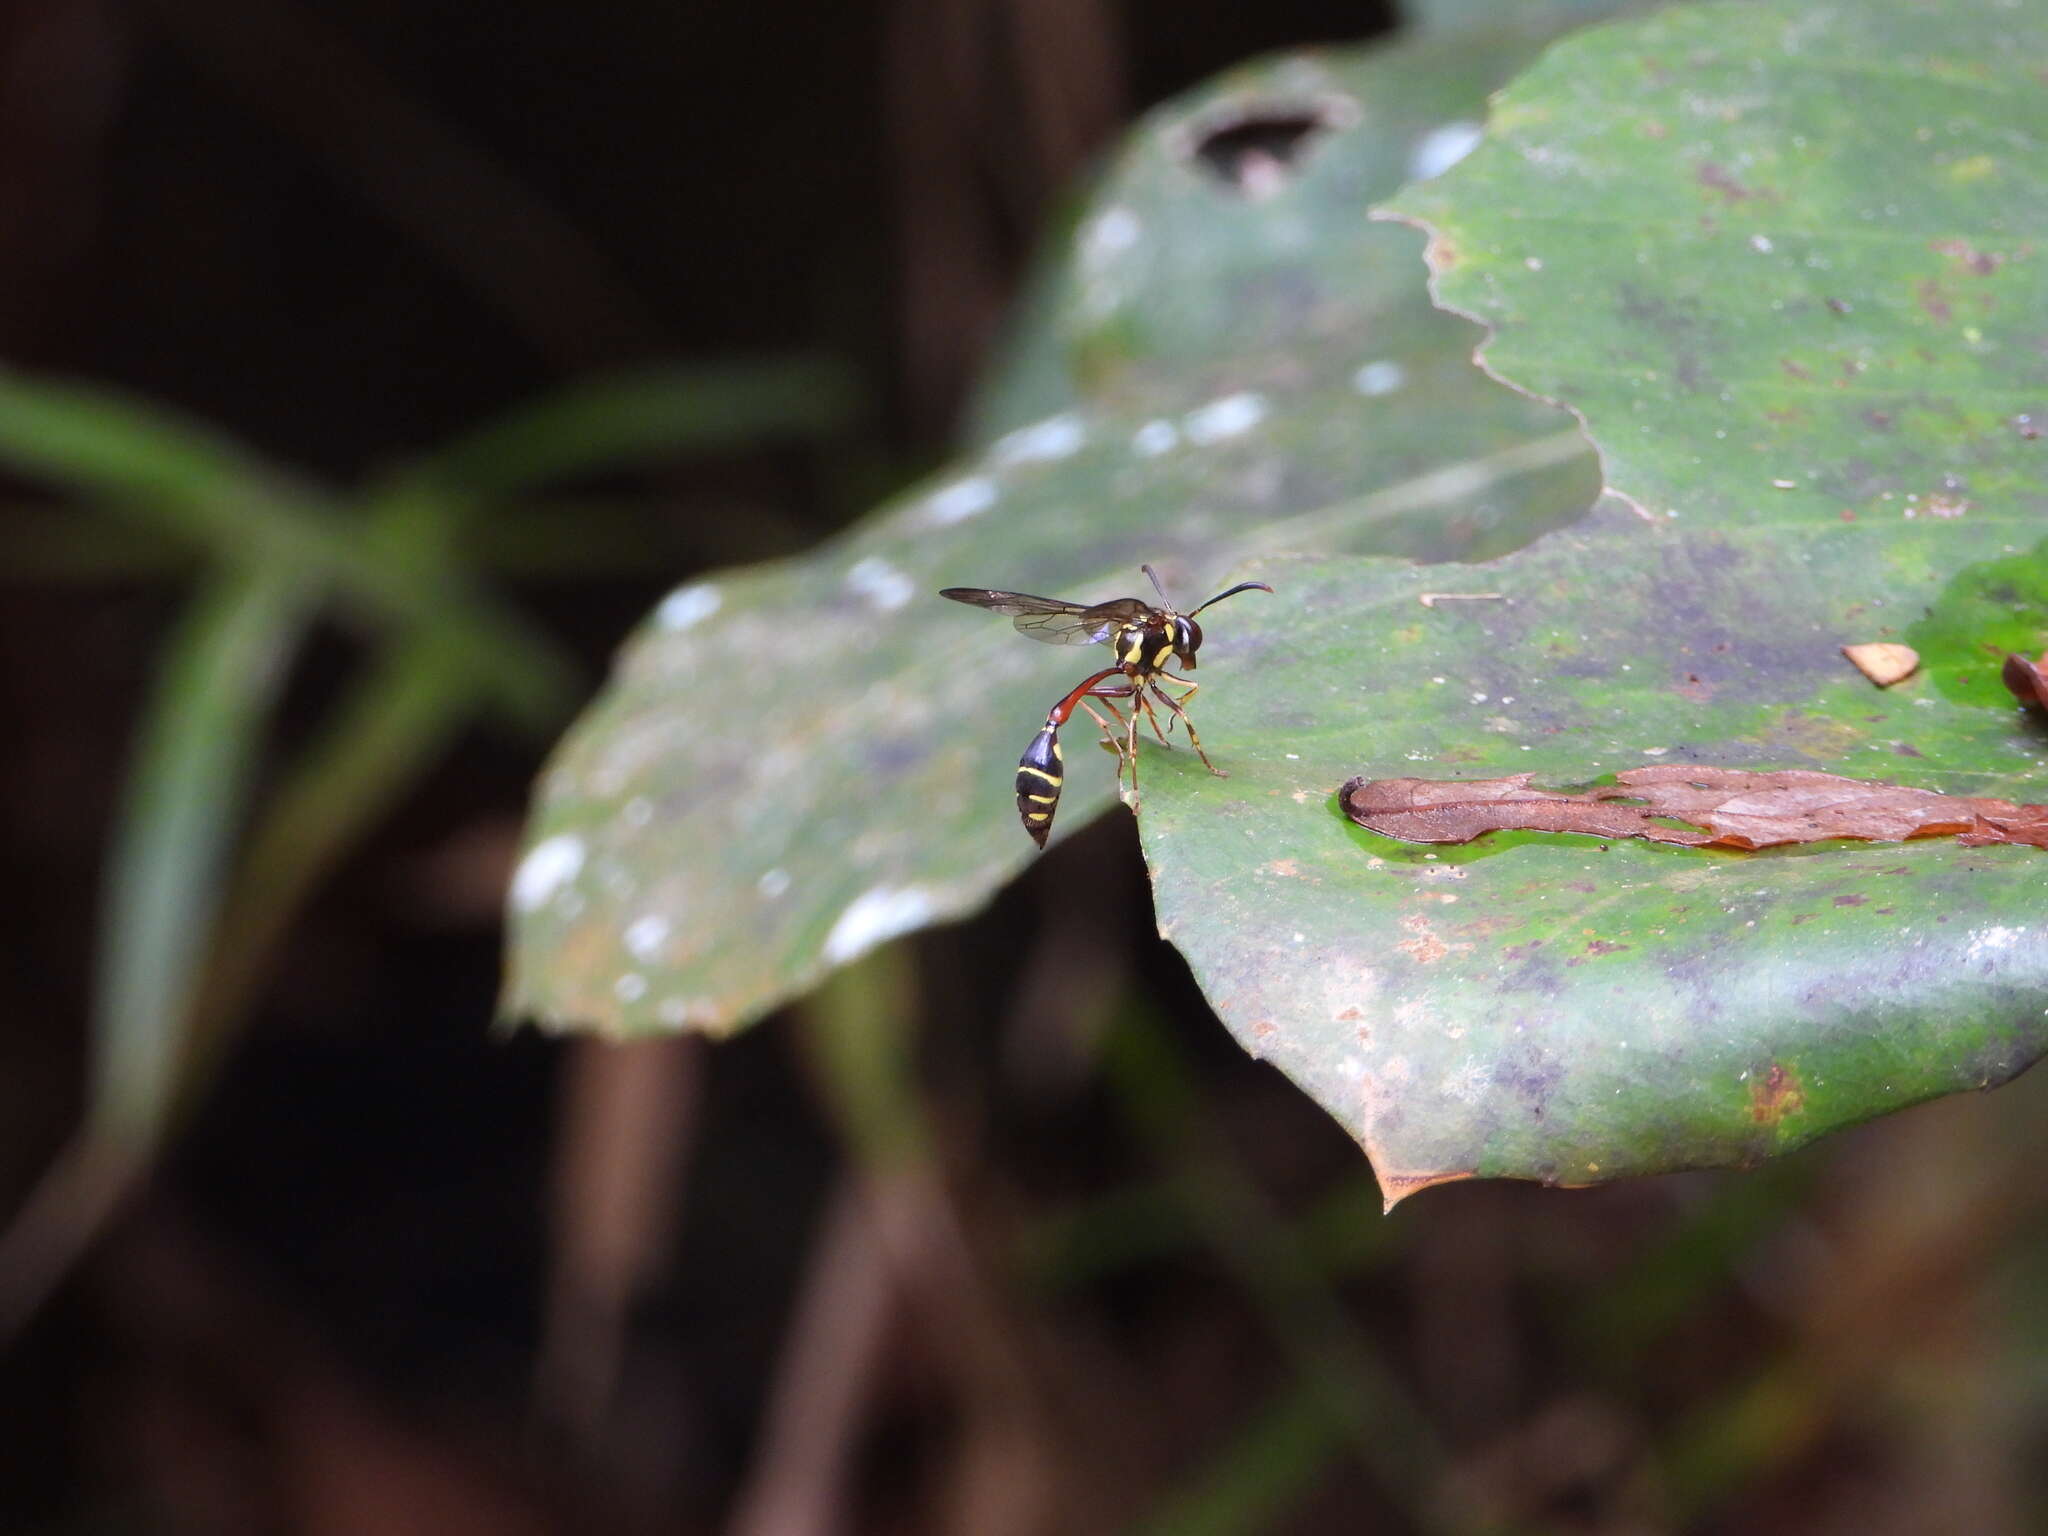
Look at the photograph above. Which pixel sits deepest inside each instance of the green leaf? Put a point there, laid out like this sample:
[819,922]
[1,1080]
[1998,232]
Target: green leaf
[1655,230]
[1785,261]
[177,826]
[615,422]
[182,477]
[797,762]
[1556,1008]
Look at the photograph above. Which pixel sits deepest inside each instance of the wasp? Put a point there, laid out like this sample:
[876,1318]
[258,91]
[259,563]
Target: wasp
[1145,640]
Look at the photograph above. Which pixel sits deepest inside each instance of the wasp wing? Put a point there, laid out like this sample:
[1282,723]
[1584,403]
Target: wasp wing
[1049,619]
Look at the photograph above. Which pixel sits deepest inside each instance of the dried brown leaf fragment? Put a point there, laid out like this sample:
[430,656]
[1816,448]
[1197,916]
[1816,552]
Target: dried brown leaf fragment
[2028,680]
[1884,662]
[1719,807]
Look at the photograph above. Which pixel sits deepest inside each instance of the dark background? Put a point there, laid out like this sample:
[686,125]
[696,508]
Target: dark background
[399,1274]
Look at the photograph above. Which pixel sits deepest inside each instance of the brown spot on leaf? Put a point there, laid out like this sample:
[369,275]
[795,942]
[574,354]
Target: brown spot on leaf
[1818,737]
[1287,869]
[1264,1029]
[1851,901]
[1349,1014]
[1718,179]
[1793,369]
[1602,947]
[1775,1095]
[1969,258]
[1424,948]
[1695,688]
[1933,301]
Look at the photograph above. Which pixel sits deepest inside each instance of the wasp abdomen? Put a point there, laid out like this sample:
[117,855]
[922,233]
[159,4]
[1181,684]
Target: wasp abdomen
[1038,783]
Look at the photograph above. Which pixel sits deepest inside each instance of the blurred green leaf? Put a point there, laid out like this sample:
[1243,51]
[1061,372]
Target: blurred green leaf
[386,730]
[422,686]
[797,762]
[864,1047]
[99,443]
[607,424]
[184,477]
[178,823]
[1030,376]
[1490,15]
[1656,229]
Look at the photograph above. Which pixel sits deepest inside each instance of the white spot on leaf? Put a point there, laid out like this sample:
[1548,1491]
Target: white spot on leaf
[688,605]
[1441,148]
[1991,941]
[1056,437]
[881,583]
[1225,418]
[1110,234]
[960,500]
[1381,377]
[1154,438]
[549,865]
[874,917]
[644,936]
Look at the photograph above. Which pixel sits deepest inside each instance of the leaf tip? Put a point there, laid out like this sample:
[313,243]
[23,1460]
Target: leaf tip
[1396,1187]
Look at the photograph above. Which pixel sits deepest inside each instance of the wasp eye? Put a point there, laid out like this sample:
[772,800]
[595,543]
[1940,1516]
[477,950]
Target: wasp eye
[1191,637]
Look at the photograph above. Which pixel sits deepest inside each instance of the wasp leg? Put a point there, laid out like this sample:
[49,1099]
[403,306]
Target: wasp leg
[1152,719]
[1126,750]
[1180,712]
[1110,733]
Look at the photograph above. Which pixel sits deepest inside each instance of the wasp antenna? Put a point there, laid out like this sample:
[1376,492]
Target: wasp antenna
[1157,585]
[1242,586]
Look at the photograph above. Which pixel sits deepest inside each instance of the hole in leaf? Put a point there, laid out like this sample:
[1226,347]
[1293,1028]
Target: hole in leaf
[1260,150]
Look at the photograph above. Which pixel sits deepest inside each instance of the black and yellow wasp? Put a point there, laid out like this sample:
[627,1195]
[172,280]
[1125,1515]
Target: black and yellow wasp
[1144,640]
